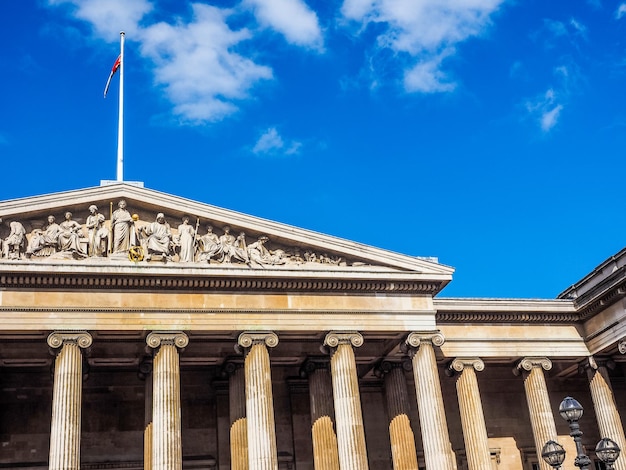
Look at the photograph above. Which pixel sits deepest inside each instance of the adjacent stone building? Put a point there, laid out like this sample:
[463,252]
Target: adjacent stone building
[143,330]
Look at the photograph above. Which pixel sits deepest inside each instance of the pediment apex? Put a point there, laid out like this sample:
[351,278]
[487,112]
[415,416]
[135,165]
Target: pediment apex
[145,203]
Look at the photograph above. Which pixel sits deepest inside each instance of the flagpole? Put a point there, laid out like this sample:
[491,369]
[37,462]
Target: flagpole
[120,125]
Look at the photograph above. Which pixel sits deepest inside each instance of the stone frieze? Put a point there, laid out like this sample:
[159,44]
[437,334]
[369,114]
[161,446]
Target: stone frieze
[123,235]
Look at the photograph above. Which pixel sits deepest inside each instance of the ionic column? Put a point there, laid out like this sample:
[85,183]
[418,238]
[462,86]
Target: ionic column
[147,447]
[166,422]
[541,416]
[348,415]
[403,453]
[471,410]
[609,421]
[145,373]
[438,452]
[66,399]
[325,453]
[261,428]
[237,413]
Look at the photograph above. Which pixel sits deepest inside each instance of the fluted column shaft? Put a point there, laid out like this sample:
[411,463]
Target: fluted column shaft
[67,400]
[438,452]
[609,422]
[166,420]
[238,425]
[403,452]
[325,452]
[472,416]
[147,447]
[541,416]
[261,428]
[348,414]
[145,372]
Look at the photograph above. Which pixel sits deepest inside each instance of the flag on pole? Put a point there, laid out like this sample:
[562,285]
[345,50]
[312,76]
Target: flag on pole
[114,69]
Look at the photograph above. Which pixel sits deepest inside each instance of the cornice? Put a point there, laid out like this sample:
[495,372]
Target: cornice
[461,310]
[606,293]
[146,281]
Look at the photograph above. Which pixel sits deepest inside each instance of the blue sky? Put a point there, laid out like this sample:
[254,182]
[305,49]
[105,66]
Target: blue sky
[487,133]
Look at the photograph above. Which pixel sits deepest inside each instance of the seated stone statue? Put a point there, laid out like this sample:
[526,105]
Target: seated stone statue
[209,245]
[159,240]
[15,243]
[69,236]
[44,242]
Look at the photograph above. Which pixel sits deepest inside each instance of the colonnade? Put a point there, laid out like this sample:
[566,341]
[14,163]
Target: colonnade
[338,436]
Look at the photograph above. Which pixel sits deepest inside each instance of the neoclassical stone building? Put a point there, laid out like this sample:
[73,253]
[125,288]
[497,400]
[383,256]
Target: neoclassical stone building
[162,333]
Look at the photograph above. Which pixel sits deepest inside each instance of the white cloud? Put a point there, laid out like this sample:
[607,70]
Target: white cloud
[545,109]
[426,77]
[553,33]
[272,143]
[579,28]
[194,61]
[555,28]
[292,18]
[621,11]
[196,67]
[423,29]
[550,117]
[109,17]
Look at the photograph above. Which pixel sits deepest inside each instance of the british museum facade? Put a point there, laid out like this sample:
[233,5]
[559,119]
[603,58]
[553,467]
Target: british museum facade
[140,330]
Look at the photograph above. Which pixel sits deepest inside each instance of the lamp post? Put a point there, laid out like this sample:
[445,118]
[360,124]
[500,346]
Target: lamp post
[554,454]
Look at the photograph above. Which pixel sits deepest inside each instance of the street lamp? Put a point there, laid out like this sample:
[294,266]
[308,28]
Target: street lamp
[554,454]
[607,450]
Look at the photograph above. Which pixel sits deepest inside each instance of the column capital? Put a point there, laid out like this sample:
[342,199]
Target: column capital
[173,338]
[230,367]
[460,363]
[387,366]
[594,363]
[335,338]
[145,368]
[81,338]
[310,365]
[528,363]
[622,346]
[248,338]
[414,339]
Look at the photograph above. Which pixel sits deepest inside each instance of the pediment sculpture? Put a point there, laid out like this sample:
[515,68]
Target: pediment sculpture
[124,236]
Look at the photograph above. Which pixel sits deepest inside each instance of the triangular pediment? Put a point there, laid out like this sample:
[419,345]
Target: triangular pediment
[281,247]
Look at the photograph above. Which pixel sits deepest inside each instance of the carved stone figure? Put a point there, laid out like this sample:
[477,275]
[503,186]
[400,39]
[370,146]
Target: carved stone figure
[44,242]
[97,233]
[70,234]
[122,227]
[227,245]
[241,250]
[231,247]
[209,245]
[159,237]
[311,257]
[260,255]
[186,241]
[15,243]
[297,256]
[325,259]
